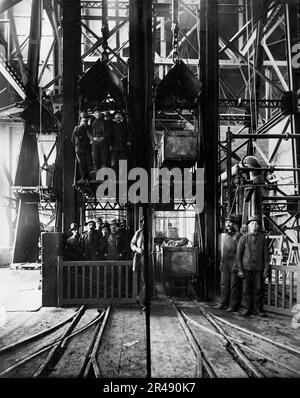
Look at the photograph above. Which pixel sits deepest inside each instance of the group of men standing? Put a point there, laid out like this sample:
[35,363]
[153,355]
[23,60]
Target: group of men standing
[244,266]
[100,241]
[100,143]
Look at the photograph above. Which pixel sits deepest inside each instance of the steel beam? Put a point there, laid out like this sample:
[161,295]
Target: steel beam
[72,69]
[140,114]
[7,4]
[34,47]
[209,105]
[17,45]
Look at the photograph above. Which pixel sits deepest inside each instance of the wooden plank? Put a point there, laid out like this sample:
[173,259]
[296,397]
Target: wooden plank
[292,268]
[126,282]
[91,281]
[291,288]
[122,352]
[112,281]
[269,290]
[96,263]
[276,288]
[71,362]
[119,281]
[133,354]
[76,282]
[171,353]
[283,289]
[83,282]
[69,282]
[98,282]
[60,281]
[105,281]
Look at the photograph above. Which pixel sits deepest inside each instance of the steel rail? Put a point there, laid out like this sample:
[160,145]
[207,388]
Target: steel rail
[259,336]
[241,344]
[56,349]
[51,345]
[91,362]
[232,347]
[36,336]
[200,355]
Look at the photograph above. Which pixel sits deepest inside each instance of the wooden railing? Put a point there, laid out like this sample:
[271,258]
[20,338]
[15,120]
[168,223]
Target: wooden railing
[283,289]
[94,282]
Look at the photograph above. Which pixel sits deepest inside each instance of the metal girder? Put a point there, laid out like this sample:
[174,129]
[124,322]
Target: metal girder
[98,4]
[243,102]
[10,75]
[7,4]
[17,46]
[34,46]
[234,117]
[72,68]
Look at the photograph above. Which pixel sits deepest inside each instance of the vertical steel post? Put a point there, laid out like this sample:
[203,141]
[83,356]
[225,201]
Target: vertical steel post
[34,46]
[228,161]
[140,112]
[71,73]
[211,136]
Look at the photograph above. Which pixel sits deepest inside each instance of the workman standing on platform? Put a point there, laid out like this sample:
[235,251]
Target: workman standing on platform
[121,140]
[231,285]
[253,266]
[101,140]
[137,246]
[81,139]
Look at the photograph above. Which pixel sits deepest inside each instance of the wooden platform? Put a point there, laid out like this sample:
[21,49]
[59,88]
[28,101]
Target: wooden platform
[122,352]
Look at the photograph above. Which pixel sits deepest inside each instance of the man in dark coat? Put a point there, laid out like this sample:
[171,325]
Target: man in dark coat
[253,266]
[81,139]
[102,140]
[73,250]
[91,242]
[115,244]
[230,283]
[124,239]
[121,140]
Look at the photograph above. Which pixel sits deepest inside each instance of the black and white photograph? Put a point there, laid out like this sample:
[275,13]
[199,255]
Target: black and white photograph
[149,193]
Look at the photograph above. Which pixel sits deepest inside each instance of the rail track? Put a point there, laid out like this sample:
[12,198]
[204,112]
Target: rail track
[256,355]
[40,355]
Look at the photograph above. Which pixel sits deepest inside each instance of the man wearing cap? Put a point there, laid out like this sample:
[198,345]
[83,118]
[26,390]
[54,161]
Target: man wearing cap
[121,141]
[91,241]
[253,266]
[230,283]
[115,243]
[73,250]
[81,138]
[101,140]
[137,246]
[99,224]
[123,234]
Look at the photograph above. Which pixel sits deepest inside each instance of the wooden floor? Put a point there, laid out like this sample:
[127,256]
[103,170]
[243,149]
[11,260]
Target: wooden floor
[122,351]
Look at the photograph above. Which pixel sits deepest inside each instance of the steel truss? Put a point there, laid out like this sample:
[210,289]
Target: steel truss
[255,69]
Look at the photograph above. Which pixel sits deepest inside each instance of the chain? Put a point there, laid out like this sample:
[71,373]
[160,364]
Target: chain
[175,31]
[105,31]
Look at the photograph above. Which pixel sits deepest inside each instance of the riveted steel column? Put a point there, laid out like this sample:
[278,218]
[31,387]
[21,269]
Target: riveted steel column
[210,133]
[71,73]
[140,112]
